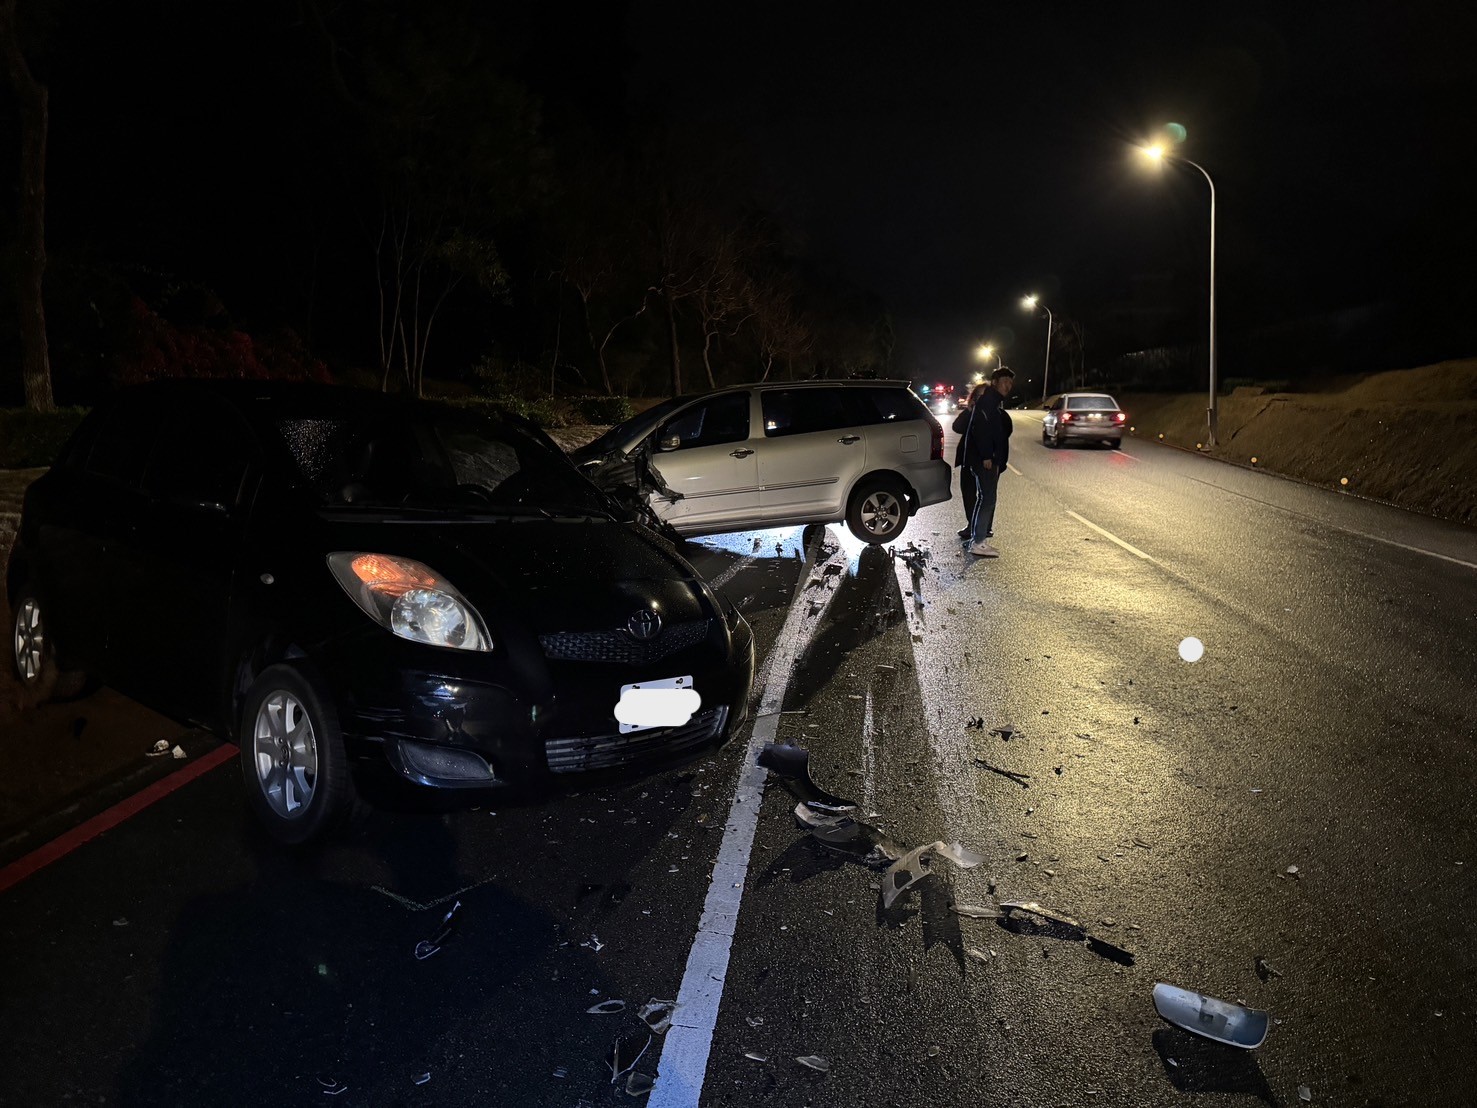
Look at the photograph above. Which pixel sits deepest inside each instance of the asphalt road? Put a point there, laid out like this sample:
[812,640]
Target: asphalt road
[1329,726]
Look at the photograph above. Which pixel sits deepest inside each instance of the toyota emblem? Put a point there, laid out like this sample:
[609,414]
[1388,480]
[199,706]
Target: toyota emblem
[645,625]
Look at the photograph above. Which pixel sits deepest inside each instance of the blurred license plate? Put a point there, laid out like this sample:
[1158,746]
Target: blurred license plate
[666,702]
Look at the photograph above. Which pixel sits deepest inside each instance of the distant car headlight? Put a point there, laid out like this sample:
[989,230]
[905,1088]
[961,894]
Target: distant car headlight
[408,599]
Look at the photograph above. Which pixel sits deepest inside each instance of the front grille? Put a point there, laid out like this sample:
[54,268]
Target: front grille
[612,751]
[621,646]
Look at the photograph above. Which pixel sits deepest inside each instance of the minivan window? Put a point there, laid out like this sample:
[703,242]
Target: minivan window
[893,405]
[804,411]
[1090,403]
[722,419]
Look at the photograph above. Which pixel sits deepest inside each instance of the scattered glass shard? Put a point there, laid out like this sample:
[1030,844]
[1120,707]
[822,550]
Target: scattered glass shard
[639,1084]
[593,943]
[1211,1018]
[606,1008]
[755,1056]
[332,1087]
[657,1014]
[623,1056]
[423,1078]
[427,947]
[815,1062]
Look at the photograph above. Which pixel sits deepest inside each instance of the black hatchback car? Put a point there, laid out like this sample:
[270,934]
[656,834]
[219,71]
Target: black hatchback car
[340,581]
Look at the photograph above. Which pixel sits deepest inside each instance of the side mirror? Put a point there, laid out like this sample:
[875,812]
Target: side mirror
[670,442]
[197,506]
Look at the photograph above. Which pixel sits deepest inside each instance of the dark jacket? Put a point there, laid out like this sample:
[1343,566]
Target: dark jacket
[986,430]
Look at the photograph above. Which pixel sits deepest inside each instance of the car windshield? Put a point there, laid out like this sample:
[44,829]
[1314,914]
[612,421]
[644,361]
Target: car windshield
[1091,403]
[429,458]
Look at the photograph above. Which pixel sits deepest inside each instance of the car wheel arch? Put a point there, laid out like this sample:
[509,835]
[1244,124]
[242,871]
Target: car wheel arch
[250,665]
[910,494]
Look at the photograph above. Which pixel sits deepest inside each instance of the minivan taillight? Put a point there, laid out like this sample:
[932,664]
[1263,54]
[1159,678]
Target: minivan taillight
[936,450]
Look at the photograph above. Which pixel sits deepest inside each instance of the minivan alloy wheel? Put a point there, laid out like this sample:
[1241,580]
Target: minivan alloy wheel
[30,640]
[881,511]
[285,754]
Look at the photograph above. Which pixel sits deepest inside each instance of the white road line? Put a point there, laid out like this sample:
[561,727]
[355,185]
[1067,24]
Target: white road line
[684,1057]
[869,757]
[1113,538]
[1011,466]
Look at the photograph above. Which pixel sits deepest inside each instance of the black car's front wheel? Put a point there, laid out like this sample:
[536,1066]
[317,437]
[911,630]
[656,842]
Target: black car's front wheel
[292,758]
[878,511]
[34,653]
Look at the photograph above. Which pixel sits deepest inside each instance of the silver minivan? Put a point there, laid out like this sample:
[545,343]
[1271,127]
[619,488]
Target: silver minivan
[773,455]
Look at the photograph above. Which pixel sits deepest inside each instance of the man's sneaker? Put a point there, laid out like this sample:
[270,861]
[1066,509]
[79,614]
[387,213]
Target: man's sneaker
[965,532]
[984,550]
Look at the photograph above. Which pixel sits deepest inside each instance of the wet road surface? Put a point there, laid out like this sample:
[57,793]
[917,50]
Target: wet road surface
[1330,727]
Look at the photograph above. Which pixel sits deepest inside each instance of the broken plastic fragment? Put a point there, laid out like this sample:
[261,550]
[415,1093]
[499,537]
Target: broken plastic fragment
[161,748]
[912,867]
[332,1087]
[792,764]
[594,943]
[606,1008]
[657,1014]
[815,1062]
[178,753]
[975,911]
[1219,1020]
[755,1056]
[639,1084]
[427,947]
[814,818]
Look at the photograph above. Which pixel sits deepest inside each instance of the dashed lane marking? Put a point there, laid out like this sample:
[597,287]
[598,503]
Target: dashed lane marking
[1114,538]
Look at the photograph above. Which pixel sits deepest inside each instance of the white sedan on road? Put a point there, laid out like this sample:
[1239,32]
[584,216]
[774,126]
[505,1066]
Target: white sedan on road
[1083,417]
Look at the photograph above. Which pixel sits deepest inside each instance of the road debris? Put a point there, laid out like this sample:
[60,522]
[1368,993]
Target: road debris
[178,754]
[1020,779]
[1265,970]
[1305,1094]
[1006,731]
[755,1056]
[815,1062]
[593,943]
[639,1084]
[1027,917]
[913,867]
[792,765]
[606,1008]
[657,1014]
[332,1087]
[975,723]
[560,1072]
[623,1056]
[422,1079]
[427,947]
[974,911]
[1211,1018]
[161,748]
[1294,873]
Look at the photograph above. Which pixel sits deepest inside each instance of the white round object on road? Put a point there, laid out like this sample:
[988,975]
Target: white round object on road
[1192,649]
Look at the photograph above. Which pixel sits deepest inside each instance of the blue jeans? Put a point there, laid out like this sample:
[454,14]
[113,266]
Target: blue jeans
[978,488]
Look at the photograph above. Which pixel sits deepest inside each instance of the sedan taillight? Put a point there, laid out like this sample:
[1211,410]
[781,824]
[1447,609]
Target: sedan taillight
[1119,417]
[1066,417]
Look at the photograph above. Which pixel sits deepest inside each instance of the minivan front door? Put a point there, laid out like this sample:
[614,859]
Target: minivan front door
[703,452]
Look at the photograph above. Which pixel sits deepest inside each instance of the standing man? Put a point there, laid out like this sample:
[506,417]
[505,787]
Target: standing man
[982,453]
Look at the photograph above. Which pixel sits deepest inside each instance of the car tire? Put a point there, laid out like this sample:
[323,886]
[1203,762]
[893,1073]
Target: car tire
[878,511]
[1046,439]
[1115,444]
[34,654]
[299,788]
[1057,440]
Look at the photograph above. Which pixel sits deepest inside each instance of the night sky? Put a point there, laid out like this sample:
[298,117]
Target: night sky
[957,157]
[948,158]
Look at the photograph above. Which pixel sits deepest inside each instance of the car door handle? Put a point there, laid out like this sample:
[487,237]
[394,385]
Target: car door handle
[849,439]
[742,452]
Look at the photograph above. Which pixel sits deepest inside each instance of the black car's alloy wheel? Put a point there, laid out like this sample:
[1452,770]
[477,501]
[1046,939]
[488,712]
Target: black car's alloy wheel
[292,758]
[35,656]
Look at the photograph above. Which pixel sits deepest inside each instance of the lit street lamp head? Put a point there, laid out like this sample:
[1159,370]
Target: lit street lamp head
[1154,152]
[983,351]
[1029,301]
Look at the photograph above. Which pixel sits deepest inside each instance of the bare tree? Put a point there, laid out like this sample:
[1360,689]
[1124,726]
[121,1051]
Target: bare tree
[32,99]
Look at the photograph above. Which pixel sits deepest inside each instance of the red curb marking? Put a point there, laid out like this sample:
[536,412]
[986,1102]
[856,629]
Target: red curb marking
[64,844]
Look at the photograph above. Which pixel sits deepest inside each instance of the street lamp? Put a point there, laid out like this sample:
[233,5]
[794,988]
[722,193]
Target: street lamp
[1157,154]
[1031,303]
[985,351]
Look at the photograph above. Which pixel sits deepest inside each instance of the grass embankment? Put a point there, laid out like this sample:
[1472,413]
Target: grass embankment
[1406,436]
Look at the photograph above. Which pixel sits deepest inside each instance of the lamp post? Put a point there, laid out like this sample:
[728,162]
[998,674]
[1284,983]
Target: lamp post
[985,351]
[1031,303]
[1158,154]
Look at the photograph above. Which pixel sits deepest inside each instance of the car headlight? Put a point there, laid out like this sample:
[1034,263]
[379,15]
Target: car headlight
[408,599]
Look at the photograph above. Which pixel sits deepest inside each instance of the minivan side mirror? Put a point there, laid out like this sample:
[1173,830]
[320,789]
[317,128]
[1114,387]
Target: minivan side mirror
[669,442]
